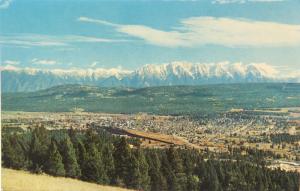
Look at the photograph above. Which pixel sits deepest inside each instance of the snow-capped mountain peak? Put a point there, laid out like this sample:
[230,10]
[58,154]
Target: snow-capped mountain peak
[173,73]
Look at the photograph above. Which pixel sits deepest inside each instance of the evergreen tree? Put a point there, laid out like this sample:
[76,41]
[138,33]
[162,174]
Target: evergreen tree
[193,183]
[93,169]
[13,155]
[37,153]
[80,153]
[169,173]
[211,181]
[139,178]
[72,134]
[174,160]
[158,181]
[133,177]
[91,136]
[108,162]
[54,164]
[122,156]
[144,170]
[177,177]
[69,158]
[43,134]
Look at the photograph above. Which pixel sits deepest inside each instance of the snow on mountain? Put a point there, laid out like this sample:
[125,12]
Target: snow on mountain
[73,72]
[174,73]
[222,69]
[185,73]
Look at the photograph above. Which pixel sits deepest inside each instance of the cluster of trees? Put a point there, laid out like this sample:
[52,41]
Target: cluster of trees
[284,138]
[99,157]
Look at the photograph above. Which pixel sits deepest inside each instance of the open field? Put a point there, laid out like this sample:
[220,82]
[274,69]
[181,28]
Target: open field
[14,180]
[169,139]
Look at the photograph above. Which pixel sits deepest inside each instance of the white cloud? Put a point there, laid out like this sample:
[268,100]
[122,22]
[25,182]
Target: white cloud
[244,1]
[30,40]
[43,62]
[86,39]
[93,64]
[86,19]
[152,36]
[195,31]
[5,4]
[11,62]
[49,41]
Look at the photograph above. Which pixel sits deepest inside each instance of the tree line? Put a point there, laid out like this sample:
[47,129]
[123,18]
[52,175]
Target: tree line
[99,157]
[284,138]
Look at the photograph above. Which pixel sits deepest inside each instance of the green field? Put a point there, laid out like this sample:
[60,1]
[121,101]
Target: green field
[158,100]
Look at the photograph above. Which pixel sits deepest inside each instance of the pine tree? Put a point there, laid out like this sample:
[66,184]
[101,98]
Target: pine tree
[54,164]
[108,162]
[122,156]
[169,173]
[13,155]
[43,134]
[188,162]
[175,160]
[138,171]
[69,158]
[191,163]
[193,183]
[212,181]
[158,181]
[94,158]
[93,168]
[72,134]
[91,136]
[80,153]
[144,170]
[177,177]
[37,153]
[7,152]
[133,177]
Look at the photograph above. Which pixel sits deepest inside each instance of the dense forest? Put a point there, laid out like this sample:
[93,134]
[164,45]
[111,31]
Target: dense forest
[284,138]
[97,156]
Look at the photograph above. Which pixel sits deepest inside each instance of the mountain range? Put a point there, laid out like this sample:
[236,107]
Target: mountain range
[177,100]
[175,73]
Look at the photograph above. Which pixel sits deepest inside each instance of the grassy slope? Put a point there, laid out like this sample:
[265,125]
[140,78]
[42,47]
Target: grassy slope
[14,180]
[158,100]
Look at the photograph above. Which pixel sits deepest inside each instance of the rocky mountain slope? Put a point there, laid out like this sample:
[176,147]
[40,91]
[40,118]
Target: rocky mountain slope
[175,73]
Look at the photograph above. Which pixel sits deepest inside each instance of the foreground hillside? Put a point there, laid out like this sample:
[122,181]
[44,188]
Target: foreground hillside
[112,160]
[158,100]
[15,180]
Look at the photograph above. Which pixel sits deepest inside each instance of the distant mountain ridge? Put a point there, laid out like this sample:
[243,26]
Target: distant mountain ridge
[174,73]
[167,100]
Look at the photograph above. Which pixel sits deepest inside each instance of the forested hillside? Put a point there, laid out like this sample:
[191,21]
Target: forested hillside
[158,100]
[96,156]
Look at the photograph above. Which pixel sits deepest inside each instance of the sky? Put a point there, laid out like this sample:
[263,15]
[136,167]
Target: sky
[129,34]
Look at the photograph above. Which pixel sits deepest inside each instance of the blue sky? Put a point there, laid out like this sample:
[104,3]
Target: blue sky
[130,34]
